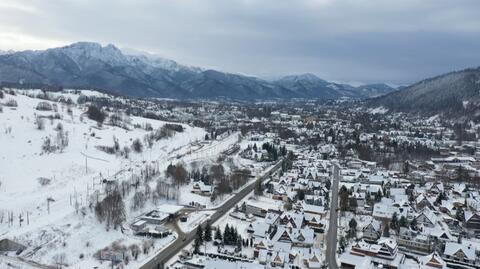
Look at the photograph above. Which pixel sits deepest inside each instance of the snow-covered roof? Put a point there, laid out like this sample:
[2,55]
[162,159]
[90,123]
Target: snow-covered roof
[452,248]
[313,208]
[355,260]
[432,261]
[169,209]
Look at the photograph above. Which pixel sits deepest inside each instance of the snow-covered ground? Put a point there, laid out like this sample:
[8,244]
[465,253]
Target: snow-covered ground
[378,110]
[194,219]
[54,228]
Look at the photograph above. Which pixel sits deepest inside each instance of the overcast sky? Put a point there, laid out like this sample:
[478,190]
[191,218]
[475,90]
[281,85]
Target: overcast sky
[356,41]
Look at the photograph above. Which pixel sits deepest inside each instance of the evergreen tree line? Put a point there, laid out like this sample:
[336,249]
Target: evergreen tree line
[230,237]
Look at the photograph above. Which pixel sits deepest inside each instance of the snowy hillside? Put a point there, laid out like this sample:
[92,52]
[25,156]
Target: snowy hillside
[453,94]
[47,194]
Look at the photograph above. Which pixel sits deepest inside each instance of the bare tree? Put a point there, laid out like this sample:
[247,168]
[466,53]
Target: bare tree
[40,123]
[134,250]
[62,139]
[139,200]
[178,173]
[60,260]
[111,209]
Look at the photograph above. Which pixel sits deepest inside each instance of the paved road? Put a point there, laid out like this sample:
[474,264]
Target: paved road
[19,261]
[332,227]
[184,239]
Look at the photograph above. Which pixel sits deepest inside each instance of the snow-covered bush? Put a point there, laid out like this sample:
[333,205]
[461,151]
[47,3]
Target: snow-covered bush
[166,131]
[96,114]
[119,119]
[44,106]
[60,143]
[48,146]
[174,127]
[110,149]
[62,140]
[137,145]
[65,100]
[44,95]
[44,181]
[11,103]
[82,99]
[59,127]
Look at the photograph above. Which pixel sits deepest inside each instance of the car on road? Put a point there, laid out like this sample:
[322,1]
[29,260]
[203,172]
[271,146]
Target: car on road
[184,238]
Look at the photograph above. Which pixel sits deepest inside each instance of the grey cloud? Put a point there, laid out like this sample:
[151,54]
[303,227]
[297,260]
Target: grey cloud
[343,40]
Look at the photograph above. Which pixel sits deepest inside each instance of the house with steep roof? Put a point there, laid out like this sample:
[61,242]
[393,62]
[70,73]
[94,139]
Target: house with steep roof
[434,187]
[383,254]
[388,248]
[314,222]
[314,262]
[472,220]
[294,220]
[201,188]
[279,259]
[460,254]
[372,231]
[422,201]
[427,217]
[438,233]
[432,261]
[414,241]
[297,237]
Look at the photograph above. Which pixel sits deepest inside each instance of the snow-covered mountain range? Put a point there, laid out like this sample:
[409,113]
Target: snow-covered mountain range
[91,65]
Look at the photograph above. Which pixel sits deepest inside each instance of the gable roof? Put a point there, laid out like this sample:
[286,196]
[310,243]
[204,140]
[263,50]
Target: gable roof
[453,249]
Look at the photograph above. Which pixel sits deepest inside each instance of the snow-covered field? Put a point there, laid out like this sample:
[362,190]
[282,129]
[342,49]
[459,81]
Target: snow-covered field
[66,225]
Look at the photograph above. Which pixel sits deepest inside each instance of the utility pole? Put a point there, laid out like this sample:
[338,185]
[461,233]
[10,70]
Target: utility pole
[49,199]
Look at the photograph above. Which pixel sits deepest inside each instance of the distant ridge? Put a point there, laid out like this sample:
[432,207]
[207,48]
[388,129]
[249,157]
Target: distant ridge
[452,93]
[91,65]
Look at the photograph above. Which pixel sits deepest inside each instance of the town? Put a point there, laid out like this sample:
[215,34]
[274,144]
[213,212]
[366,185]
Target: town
[178,184]
[240,134]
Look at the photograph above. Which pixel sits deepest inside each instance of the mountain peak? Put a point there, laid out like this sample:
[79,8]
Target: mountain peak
[303,77]
[84,45]
[81,51]
[308,76]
